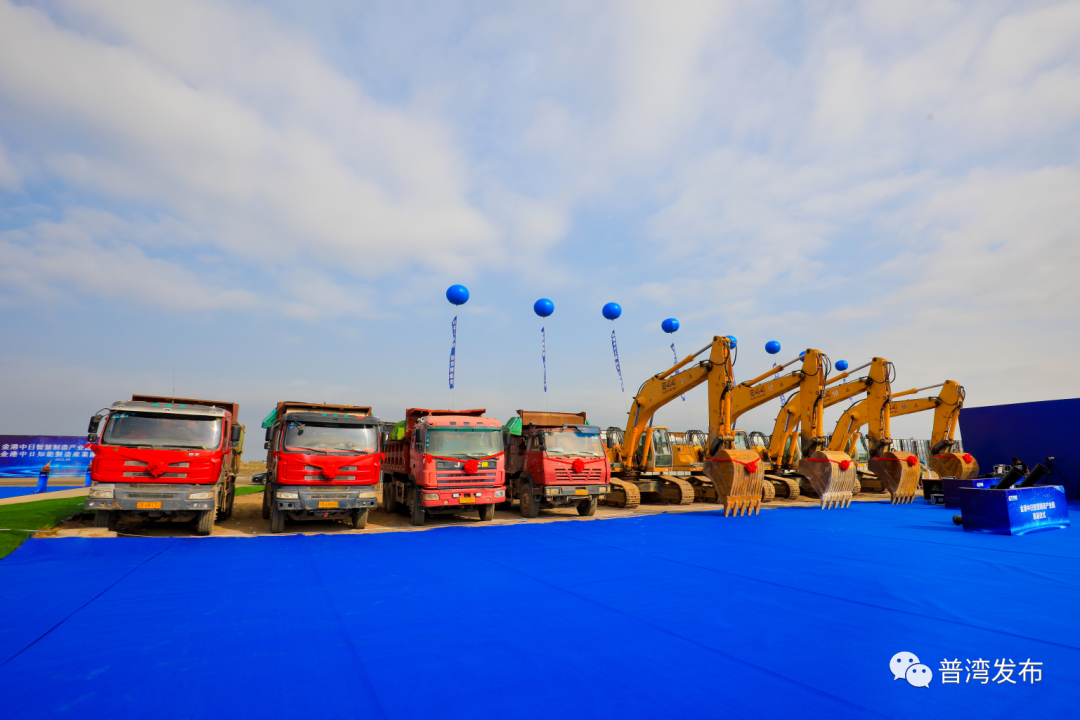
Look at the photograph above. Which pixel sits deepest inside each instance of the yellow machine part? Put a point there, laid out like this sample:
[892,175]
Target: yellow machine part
[832,475]
[737,475]
[958,465]
[899,471]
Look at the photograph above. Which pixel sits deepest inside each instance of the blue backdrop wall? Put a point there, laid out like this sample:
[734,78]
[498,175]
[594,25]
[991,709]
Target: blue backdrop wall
[1031,432]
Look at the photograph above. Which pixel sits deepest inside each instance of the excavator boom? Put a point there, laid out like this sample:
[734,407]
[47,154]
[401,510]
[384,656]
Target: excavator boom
[946,407]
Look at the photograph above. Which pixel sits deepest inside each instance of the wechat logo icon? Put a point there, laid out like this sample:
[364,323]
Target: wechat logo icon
[906,666]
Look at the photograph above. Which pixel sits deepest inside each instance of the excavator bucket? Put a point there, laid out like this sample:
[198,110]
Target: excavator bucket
[899,472]
[832,475]
[737,476]
[961,466]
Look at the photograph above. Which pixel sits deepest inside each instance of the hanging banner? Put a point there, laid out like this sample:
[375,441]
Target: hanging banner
[453,352]
[543,353]
[615,349]
[783,400]
[677,362]
[25,455]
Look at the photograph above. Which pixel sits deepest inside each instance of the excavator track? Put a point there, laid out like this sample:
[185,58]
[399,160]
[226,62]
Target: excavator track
[783,486]
[623,494]
[676,491]
[704,489]
[768,491]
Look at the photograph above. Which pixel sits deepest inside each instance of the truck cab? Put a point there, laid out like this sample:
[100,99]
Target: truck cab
[440,462]
[555,460]
[323,463]
[164,459]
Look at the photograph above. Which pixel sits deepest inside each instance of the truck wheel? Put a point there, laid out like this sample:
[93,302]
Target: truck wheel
[105,519]
[416,508]
[359,518]
[268,492]
[587,508]
[277,519]
[204,524]
[389,504]
[487,512]
[530,504]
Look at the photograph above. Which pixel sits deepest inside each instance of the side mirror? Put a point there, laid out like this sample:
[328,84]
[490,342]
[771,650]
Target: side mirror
[269,433]
[237,432]
[259,478]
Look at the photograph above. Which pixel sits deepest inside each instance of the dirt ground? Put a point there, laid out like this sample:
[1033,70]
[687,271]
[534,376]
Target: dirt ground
[247,520]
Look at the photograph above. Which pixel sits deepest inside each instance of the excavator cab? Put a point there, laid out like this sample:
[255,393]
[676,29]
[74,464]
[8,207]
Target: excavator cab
[742,440]
[659,458]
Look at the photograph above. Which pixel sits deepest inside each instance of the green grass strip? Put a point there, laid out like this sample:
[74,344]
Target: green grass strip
[35,515]
[249,490]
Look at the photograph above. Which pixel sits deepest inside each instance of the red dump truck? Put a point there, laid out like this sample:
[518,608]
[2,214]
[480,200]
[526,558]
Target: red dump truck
[322,462]
[442,462]
[557,460]
[164,458]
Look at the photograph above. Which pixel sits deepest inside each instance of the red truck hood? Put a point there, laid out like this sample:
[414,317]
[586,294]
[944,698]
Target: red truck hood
[114,464]
[301,469]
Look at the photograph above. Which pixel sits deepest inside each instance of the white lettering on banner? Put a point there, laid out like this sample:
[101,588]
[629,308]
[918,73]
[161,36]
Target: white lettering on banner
[1037,506]
[3,453]
[1038,516]
[3,447]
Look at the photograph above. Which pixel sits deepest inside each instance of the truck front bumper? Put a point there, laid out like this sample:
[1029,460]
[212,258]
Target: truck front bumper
[151,498]
[431,498]
[324,501]
[572,491]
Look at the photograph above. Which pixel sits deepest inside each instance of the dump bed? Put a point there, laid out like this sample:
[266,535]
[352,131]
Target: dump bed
[542,418]
[294,406]
[231,407]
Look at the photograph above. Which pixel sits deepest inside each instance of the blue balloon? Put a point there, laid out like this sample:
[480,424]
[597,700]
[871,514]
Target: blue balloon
[841,365]
[802,354]
[670,325]
[457,294]
[612,311]
[734,342]
[772,347]
[543,307]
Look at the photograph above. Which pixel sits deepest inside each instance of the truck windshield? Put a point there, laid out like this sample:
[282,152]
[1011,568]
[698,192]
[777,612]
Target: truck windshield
[571,442]
[132,429]
[472,443]
[331,438]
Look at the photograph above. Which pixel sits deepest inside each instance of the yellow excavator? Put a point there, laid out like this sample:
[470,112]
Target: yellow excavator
[638,457]
[946,407]
[782,455]
[831,474]
[897,471]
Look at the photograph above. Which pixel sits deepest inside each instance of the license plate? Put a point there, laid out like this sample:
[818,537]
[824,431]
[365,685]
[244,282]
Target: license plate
[579,491]
[468,499]
[328,503]
[148,505]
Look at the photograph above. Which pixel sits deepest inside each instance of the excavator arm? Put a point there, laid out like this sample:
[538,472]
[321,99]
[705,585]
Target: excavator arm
[662,388]
[946,407]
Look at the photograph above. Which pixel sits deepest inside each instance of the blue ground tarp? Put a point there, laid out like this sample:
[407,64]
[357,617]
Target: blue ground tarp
[11,491]
[795,613]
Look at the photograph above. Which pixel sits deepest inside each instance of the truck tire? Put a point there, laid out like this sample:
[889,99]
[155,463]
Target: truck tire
[416,508]
[389,503]
[587,508]
[530,504]
[487,512]
[277,519]
[105,519]
[267,494]
[204,523]
[359,518]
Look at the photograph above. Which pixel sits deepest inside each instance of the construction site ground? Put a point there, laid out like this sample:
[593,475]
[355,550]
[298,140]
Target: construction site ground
[247,520]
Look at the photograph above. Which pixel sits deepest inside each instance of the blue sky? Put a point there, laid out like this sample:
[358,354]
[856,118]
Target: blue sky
[270,200]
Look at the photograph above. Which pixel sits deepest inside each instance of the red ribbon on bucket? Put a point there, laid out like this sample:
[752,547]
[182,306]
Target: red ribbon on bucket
[751,466]
[844,464]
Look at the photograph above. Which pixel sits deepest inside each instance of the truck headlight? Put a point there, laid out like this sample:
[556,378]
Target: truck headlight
[101,492]
[500,493]
[286,495]
[367,495]
[552,491]
[200,496]
[431,496]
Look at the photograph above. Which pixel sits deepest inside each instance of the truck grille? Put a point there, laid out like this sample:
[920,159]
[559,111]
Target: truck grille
[140,463]
[151,496]
[328,496]
[589,475]
[146,475]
